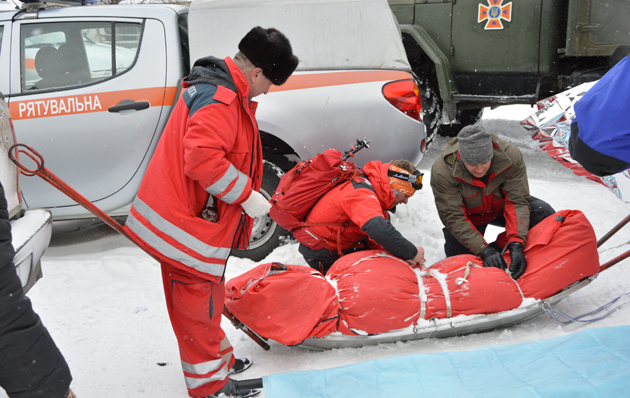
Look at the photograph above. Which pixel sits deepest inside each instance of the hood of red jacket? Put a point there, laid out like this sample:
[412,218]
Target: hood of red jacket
[376,172]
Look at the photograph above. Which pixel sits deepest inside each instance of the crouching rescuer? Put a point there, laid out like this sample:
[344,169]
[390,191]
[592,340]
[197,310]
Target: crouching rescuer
[354,216]
[480,179]
[199,196]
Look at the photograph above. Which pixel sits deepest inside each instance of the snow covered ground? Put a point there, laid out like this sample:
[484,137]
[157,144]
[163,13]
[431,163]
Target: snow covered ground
[101,297]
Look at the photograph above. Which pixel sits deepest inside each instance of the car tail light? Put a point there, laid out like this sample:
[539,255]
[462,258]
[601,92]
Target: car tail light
[405,96]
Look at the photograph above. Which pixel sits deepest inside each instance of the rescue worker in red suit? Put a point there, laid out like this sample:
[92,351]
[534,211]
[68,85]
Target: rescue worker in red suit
[480,179]
[357,214]
[209,159]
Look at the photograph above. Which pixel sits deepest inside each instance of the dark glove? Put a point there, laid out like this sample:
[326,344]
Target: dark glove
[492,258]
[518,262]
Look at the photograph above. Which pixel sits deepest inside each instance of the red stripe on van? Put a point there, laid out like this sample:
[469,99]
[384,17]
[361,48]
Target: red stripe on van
[312,80]
[88,103]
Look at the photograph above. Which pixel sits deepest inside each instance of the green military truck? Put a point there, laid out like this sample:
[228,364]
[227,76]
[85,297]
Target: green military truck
[471,54]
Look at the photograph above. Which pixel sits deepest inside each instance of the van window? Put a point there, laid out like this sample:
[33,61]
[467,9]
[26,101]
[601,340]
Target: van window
[183,36]
[64,54]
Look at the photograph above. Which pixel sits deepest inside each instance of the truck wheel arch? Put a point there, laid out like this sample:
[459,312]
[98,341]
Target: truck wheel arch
[442,66]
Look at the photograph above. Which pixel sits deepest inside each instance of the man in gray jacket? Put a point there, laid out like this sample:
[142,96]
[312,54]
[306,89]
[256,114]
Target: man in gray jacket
[477,180]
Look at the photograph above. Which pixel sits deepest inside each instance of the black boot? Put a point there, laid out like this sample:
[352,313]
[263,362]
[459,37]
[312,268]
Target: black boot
[240,365]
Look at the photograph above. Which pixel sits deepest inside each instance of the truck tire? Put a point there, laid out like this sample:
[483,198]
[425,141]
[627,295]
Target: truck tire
[266,234]
[431,101]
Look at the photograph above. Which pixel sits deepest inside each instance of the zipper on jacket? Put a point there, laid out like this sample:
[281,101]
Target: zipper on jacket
[254,129]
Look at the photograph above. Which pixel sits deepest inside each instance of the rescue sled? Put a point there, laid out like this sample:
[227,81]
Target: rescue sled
[459,326]
[564,241]
[372,297]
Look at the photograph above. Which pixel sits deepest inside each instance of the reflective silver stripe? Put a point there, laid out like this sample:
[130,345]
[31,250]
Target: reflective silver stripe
[311,234]
[178,234]
[228,356]
[237,190]
[203,367]
[173,253]
[192,382]
[225,343]
[218,187]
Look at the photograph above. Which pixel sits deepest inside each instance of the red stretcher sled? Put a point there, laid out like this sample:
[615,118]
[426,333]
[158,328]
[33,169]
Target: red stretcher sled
[372,297]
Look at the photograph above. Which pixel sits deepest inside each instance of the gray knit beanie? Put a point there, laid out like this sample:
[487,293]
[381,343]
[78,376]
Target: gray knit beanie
[475,145]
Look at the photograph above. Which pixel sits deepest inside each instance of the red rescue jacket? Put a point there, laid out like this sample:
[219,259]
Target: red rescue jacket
[210,146]
[352,203]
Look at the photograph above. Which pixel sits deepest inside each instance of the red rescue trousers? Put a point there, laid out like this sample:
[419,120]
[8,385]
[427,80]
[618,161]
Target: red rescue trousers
[195,305]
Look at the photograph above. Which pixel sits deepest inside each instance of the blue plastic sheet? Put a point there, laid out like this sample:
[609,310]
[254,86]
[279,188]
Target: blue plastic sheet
[590,363]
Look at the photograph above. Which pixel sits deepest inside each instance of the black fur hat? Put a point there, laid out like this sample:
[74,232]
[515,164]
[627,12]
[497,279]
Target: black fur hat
[271,51]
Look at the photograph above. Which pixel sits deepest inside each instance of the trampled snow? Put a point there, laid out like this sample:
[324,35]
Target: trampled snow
[101,297]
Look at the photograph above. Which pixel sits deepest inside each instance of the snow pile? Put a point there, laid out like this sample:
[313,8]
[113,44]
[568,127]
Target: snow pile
[95,280]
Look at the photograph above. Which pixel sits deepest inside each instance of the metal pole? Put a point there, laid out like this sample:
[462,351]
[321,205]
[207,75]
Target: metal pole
[55,181]
[615,260]
[613,231]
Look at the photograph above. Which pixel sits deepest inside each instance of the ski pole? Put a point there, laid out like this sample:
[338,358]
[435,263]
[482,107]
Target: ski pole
[356,148]
[55,181]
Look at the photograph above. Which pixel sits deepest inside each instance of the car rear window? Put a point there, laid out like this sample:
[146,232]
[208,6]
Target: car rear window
[71,53]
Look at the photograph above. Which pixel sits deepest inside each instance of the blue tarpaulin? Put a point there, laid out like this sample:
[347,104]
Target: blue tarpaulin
[589,363]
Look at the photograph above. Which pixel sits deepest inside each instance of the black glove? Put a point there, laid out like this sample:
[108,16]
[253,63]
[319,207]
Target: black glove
[492,258]
[518,263]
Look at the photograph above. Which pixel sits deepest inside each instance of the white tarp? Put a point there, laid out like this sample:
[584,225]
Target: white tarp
[325,35]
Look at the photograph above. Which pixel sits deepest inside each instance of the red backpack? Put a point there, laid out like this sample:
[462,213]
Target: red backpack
[302,186]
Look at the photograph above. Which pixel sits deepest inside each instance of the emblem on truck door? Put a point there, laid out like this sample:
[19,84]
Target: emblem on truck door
[493,13]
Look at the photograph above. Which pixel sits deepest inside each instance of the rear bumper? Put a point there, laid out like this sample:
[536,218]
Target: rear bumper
[31,236]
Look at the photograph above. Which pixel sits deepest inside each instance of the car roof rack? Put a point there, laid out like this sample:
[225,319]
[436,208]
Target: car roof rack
[32,6]
[60,2]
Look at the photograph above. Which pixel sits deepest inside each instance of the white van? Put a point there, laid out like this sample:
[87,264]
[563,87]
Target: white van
[91,88]
[30,230]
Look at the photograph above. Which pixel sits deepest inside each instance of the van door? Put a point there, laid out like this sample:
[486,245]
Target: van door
[88,96]
[5,35]
[597,27]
